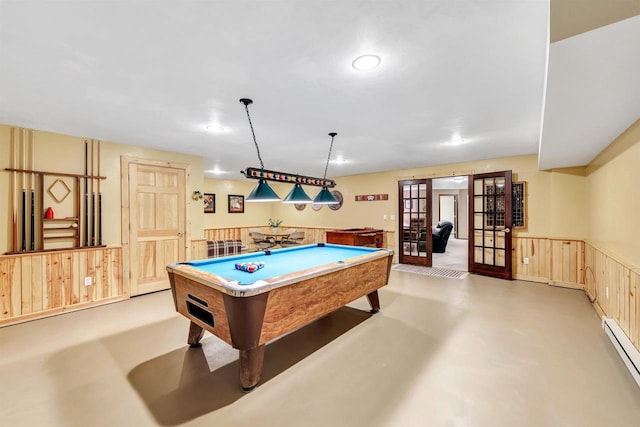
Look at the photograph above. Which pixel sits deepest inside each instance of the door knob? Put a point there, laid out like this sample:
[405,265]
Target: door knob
[507,230]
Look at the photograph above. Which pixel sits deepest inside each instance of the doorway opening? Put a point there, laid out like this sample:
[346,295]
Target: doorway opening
[450,203]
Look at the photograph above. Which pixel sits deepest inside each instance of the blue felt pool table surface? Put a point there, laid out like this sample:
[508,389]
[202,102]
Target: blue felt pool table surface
[280,261]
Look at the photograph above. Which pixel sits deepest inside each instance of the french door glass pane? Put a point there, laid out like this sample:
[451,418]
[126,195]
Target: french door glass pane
[477,186]
[422,190]
[478,219]
[478,205]
[488,238]
[488,256]
[477,255]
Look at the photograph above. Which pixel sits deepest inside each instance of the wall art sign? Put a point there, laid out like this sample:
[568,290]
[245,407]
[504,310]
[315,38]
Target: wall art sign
[371,197]
[209,201]
[236,203]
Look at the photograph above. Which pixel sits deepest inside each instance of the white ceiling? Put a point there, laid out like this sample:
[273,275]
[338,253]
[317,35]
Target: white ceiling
[593,93]
[154,74]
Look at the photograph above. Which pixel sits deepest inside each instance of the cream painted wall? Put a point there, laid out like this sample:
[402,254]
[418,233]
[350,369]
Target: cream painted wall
[463,212]
[352,213]
[567,189]
[614,198]
[556,201]
[63,153]
[255,214]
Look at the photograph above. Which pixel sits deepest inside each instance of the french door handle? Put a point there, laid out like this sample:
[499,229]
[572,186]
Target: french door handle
[507,230]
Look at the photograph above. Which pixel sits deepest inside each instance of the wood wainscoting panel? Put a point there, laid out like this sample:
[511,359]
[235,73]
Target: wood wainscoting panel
[612,286]
[531,259]
[198,249]
[567,263]
[599,271]
[558,262]
[590,280]
[623,298]
[634,308]
[32,273]
[232,233]
[10,287]
[618,282]
[41,284]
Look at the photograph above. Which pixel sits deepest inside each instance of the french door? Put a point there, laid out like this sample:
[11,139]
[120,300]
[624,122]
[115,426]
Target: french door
[490,222]
[414,209]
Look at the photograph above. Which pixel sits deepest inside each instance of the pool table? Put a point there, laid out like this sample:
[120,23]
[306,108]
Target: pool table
[295,287]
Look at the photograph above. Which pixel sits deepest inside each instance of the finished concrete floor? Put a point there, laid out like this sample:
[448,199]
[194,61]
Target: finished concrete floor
[442,352]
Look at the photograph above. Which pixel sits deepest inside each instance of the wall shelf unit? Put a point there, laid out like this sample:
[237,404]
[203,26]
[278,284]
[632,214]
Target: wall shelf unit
[62,191]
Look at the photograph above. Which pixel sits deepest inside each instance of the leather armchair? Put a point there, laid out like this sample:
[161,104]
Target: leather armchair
[440,236]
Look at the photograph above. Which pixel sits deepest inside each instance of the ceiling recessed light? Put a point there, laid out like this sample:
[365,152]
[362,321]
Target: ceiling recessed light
[214,128]
[366,62]
[339,160]
[216,171]
[456,140]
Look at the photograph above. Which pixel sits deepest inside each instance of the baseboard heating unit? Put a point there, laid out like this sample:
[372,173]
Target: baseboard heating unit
[630,355]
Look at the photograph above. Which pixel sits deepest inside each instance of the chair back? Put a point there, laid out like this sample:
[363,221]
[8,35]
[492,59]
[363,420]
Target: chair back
[296,236]
[261,241]
[294,239]
[257,236]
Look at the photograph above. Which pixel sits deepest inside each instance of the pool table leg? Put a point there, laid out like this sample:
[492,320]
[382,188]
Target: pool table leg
[251,362]
[374,301]
[195,335]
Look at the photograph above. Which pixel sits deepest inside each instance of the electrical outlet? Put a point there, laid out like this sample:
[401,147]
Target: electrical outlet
[393,217]
[606,292]
[87,281]
[526,261]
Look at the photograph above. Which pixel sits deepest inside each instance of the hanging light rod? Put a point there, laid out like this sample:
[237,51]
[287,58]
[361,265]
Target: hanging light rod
[264,193]
[255,173]
[325,197]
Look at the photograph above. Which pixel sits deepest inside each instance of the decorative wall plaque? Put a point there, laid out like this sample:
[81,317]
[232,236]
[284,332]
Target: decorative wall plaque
[59,190]
[338,196]
[371,197]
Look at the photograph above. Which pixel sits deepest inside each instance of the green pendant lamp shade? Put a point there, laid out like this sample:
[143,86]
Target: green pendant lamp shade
[263,193]
[325,197]
[297,195]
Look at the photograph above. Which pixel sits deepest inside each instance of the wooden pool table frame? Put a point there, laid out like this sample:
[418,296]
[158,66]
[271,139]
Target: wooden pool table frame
[282,305]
